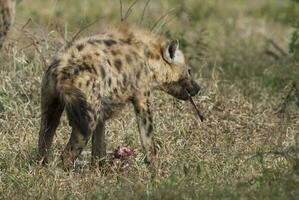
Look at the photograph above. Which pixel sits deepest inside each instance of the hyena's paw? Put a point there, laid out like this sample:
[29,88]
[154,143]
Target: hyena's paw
[150,156]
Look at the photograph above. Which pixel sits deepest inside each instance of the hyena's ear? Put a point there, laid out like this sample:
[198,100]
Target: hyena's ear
[171,52]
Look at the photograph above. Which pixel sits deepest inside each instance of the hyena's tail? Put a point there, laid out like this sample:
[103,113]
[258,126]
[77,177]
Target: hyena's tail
[76,108]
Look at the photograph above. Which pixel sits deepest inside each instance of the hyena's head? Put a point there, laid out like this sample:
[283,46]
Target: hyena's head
[177,80]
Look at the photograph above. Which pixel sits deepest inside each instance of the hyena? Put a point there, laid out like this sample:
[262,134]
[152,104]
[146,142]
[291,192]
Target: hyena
[96,76]
[7,12]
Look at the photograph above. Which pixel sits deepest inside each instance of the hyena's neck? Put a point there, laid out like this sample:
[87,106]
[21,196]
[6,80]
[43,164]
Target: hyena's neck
[149,46]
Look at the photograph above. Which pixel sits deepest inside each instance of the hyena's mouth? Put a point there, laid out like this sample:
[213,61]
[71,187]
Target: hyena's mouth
[201,117]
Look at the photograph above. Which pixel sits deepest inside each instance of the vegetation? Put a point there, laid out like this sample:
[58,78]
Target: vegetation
[245,55]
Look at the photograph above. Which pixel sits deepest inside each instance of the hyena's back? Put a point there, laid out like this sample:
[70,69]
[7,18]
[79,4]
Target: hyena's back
[94,75]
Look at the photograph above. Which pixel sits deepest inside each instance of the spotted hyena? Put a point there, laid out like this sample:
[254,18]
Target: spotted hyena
[7,12]
[96,76]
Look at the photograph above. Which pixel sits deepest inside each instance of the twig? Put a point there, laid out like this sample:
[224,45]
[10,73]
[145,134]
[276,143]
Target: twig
[121,10]
[163,17]
[129,11]
[21,30]
[33,39]
[27,22]
[274,50]
[166,22]
[277,47]
[272,54]
[63,36]
[81,30]
[143,12]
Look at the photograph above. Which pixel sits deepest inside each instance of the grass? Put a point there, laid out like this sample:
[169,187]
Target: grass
[244,150]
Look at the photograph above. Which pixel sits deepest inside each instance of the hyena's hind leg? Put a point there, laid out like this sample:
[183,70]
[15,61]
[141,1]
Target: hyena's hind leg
[51,110]
[82,118]
[73,148]
[98,144]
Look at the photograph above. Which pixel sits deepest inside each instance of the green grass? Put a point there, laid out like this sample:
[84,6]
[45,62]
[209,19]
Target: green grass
[244,150]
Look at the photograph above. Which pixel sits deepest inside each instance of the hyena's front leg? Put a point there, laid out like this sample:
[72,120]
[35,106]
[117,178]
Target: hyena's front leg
[145,126]
[98,143]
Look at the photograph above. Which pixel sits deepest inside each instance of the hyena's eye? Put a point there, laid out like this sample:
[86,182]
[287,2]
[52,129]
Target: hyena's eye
[189,72]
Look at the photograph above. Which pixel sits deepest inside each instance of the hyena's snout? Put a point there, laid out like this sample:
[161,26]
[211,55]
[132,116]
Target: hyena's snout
[192,87]
[184,89]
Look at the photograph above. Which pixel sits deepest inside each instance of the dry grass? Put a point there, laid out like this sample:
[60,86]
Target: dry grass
[243,149]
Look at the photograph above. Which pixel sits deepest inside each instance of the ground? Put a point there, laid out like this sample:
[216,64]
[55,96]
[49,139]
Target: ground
[244,149]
